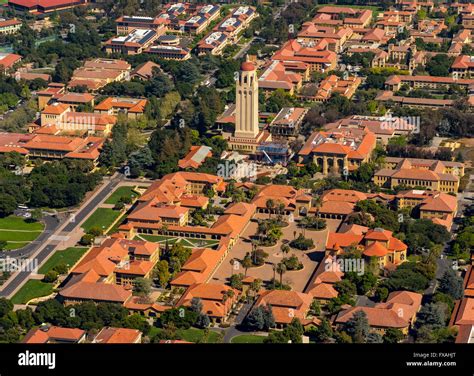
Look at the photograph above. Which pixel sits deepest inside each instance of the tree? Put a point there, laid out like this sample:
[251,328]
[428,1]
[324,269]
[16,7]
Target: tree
[432,315]
[161,273]
[142,287]
[260,318]
[36,215]
[285,248]
[291,334]
[323,332]
[381,293]
[236,281]
[358,327]
[270,204]
[138,322]
[246,263]
[281,269]
[202,321]
[393,335]
[255,286]
[302,243]
[181,317]
[8,205]
[25,318]
[87,239]
[374,337]
[61,268]
[451,284]
[196,305]
[51,276]
[6,306]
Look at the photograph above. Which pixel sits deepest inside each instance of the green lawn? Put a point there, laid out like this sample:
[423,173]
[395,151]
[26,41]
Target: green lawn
[101,218]
[15,245]
[18,232]
[198,242]
[117,224]
[32,289]
[18,236]
[121,192]
[69,256]
[158,238]
[184,241]
[18,223]
[248,338]
[190,335]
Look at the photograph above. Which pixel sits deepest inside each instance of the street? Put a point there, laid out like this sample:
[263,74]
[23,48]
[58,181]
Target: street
[48,245]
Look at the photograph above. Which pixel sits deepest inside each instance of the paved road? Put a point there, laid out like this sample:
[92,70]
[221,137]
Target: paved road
[244,49]
[233,331]
[20,278]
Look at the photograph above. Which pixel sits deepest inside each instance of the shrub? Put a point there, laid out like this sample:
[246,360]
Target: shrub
[302,243]
[50,276]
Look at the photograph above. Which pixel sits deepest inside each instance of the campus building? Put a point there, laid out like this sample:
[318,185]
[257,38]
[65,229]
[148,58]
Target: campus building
[9,26]
[217,300]
[377,243]
[127,24]
[339,150]
[398,312]
[52,146]
[54,334]
[317,54]
[97,73]
[108,272]
[287,122]
[287,305]
[133,43]
[427,174]
[167,52]
[61,118]
[133,108]
[44,6]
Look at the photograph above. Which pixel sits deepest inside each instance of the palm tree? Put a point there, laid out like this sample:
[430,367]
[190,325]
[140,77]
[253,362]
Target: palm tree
[255,285]
[281,269]
[280,210]
[246,263]
[274,267]
[232,263]
[270,206]
[285,248]
[317,202]
[229,294]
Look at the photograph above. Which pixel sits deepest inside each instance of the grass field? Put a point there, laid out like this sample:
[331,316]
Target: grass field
[190,335]
[121,192]
[115,227]
[248,338]
[101,218]
[32,289]
[17,232]
[189,243]
[69,256]
[18,223]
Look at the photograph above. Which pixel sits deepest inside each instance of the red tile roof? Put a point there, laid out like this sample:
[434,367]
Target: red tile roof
[118,335]
[53,334]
